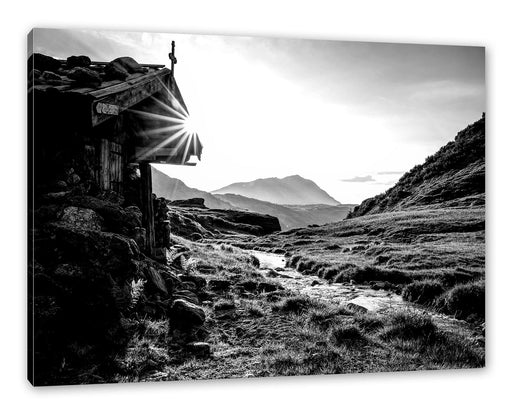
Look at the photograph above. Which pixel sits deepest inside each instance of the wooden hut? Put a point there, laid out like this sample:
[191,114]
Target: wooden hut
[102,120]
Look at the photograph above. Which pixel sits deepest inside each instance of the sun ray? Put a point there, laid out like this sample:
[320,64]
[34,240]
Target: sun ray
[169,108]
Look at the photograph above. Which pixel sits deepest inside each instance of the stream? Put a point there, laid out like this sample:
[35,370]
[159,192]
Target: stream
[315,287]
[379,301]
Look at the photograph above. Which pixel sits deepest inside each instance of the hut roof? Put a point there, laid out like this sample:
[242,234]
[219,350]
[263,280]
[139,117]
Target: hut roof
[93,92]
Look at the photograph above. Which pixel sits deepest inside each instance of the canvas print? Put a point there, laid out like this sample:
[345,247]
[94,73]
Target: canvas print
[209,207]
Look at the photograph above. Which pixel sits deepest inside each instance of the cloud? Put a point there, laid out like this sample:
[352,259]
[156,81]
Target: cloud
[364,179]
[390,172]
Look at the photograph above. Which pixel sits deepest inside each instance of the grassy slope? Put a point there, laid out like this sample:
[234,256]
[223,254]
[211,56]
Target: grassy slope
[442,245]
[454,175]
[281,333]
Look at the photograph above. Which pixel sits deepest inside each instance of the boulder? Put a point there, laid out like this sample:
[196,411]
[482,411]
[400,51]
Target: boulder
[186,295]
[48,76]
[356,308]
[198,281]
[99,251]
[268,287]
[42,63]
[248,285]
[156,281]
[200,349]
[78,61]
[115,71]
[219,284]
[116,219]
[82,218]
[185,316]
[130,64]
[85,76]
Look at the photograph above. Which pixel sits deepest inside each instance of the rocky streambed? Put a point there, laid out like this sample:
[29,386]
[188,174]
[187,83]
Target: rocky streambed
[378,301]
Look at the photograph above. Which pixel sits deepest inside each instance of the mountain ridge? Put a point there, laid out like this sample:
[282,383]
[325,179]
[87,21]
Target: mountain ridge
[451,177]
[289,216]
[290,190]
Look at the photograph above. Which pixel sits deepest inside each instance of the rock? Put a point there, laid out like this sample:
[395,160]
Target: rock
[271,273]
[156,280]
[82,218]
[187,295]
[60,185]
[117,219]
[43,63]
[200,349]
[192,202]
[268,287]
[85,76]
[315,282]
[78,61]
[34,74]
[115,71]
[139,235]
[48,76]
[68,270]
[106,252]
[130,64]
[186,316]
[206,268]
[198,281]
[247,285]
[73,179]
[219,284]
[189,286]
[177,259]
[356,308]
[172,281]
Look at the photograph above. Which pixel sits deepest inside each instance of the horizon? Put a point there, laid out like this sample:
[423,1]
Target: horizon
[351,116]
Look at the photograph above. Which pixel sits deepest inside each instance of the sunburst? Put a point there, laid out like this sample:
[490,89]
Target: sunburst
[175,124]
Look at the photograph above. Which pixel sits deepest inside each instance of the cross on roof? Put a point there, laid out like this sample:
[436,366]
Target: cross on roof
[173,59]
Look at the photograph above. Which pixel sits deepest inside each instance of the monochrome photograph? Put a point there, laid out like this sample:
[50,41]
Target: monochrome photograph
[207,207]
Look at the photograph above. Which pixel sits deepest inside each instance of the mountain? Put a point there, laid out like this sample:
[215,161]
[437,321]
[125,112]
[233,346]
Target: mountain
[290,216]
[453,177]
[289,190]
[174,189]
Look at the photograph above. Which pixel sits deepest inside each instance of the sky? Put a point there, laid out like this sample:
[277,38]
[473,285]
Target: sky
[351,116]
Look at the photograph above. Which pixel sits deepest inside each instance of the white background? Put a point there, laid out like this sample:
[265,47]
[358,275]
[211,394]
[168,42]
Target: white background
[454,22]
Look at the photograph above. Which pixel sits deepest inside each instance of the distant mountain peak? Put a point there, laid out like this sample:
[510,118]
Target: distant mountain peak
[292,189]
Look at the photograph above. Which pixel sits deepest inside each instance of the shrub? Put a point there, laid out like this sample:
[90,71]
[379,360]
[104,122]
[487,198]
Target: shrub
[255,310]
[224,304]
[326,317]
[424,292]
[345,334]
[376,274]
[296,304]
[294,260]
[304,264]
[465,300]
[369,321]
[329,273]
[407,325]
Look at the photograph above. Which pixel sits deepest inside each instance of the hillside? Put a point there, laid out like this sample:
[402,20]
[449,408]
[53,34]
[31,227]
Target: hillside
[174,189]
[288,190]
[453,177]
[290,216]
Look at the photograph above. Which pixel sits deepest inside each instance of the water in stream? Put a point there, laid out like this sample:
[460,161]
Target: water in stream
[315,287]
[374,300]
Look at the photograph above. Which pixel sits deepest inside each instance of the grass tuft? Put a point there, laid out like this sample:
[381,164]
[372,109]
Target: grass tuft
[424,292]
